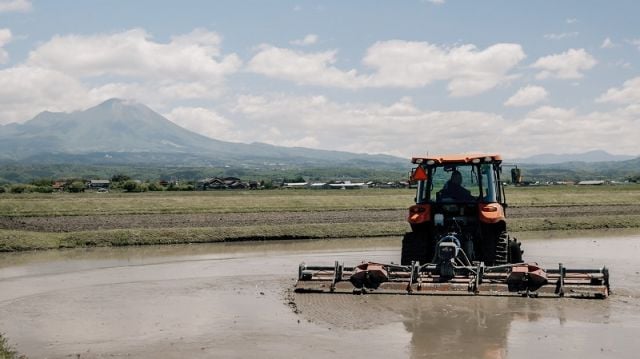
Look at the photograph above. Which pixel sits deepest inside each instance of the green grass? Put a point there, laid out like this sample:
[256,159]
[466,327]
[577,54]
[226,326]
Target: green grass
[6,352]
[573,195]
[64,204]
[67,204]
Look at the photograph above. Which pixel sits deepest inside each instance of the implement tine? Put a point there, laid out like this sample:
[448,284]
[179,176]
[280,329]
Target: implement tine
[300,270]
[337,275]
[479,274]
[412,277]
[560,285]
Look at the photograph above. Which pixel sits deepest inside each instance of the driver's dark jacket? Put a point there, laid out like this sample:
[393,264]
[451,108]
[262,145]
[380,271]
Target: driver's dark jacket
[456,192]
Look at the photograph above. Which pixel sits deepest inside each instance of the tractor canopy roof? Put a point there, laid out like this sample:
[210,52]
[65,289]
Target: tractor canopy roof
[457,159]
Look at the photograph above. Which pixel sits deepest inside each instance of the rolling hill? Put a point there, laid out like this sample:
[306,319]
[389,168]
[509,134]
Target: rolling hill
[123,132]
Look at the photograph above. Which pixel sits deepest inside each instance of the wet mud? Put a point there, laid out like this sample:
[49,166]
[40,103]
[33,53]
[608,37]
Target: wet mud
[234,301]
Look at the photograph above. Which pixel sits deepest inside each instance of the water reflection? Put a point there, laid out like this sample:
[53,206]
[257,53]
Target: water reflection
[452,327]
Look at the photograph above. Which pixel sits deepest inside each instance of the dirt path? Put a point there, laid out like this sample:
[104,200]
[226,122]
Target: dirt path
[86,223]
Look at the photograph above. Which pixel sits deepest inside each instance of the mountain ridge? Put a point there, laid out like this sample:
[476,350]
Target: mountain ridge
[589,157]
[120,131]
[124,127]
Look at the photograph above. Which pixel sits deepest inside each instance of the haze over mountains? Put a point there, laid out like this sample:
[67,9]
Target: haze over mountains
[124,132]
[590,156]
[120,131]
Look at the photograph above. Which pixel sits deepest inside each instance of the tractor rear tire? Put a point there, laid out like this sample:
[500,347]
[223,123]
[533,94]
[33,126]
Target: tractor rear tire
[414,248]
[515,252]
[507,250]
[501,255]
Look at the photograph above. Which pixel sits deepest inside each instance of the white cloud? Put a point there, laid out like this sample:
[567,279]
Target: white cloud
[607,44]
[129,64]
[567,65]
[133,54]
[155,94]
[309,39]
[527,96]
[417,64]
[396,63]
[374,128]
[15,6]
[571,20]
[560,36]
[302,68]
[623,64]
[437,2]
[204,121]
[5,38]
[634,42]
[550,129]
[628,94]
[25,91]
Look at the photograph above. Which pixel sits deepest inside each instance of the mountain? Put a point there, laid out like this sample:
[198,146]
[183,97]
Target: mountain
[591,156]
[123,132]
[578,171]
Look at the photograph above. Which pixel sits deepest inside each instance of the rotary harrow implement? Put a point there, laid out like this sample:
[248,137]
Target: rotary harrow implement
[458,244]
[520,279]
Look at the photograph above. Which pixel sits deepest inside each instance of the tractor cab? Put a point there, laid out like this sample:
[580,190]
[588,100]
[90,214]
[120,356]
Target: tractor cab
[458,197]
[458,180]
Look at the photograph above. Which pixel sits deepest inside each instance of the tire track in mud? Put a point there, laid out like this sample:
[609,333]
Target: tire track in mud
[346,311]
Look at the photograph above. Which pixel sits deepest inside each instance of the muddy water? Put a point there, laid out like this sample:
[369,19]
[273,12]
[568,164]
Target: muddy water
[231,301]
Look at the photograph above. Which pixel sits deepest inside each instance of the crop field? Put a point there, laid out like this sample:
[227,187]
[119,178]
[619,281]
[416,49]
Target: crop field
[63,220]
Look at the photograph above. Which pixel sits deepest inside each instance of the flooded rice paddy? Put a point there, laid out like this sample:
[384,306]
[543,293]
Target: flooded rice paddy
[233,301]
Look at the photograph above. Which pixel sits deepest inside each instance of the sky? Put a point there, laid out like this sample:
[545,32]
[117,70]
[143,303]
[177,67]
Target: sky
[395,77]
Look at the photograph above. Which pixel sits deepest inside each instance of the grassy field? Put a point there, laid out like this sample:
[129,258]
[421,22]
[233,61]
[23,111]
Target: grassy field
[573,195]
[57,207]
[67,204]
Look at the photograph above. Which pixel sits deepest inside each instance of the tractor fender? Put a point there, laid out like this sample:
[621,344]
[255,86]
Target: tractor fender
[490,213]
[419,213]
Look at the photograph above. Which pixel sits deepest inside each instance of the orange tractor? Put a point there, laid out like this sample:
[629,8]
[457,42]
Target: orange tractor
[458,244]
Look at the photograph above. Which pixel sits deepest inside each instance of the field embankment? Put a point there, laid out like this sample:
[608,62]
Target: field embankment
[46,221]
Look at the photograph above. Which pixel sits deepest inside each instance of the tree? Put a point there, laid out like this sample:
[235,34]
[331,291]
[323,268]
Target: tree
[18,188]
[42,182]
[131,186]
[76,187]
[120,178]
[155,186]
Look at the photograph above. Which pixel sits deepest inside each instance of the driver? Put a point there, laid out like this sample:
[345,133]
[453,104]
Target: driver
[453,189]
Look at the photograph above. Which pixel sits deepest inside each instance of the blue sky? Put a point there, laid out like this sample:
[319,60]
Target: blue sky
[396,77]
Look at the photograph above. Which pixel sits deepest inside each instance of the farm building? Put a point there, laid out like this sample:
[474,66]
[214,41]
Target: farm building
[95,184]
[220,183]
